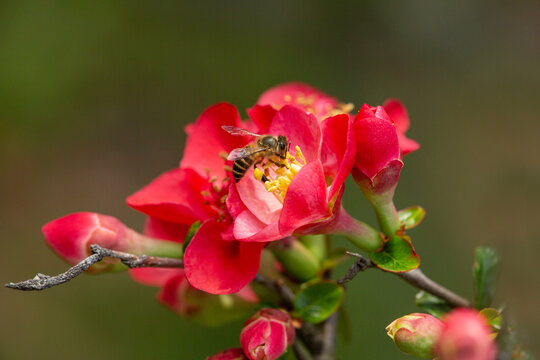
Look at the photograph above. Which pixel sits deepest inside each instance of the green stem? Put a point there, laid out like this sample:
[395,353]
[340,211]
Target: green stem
[387,216]
[140,244]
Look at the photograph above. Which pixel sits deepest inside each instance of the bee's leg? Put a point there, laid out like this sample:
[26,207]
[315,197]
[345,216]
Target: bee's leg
[277,163]
[263,178]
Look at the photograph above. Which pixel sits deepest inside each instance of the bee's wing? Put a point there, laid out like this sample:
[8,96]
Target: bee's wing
[233,130]
[244,152]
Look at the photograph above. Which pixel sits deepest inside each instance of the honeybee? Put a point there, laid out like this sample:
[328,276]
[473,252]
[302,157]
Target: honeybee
[265,147]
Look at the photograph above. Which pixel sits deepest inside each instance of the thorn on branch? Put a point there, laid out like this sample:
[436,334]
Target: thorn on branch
[42,282]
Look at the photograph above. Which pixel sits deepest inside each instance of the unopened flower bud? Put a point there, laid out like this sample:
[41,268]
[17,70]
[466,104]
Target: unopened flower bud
[267,334]
[416,334]
[229,354]
[71,236]
[465,336]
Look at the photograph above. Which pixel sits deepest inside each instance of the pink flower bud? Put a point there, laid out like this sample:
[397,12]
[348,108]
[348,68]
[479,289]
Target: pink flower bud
[416,334]
[465,336]
[267,334]
[229,354]
[71,236]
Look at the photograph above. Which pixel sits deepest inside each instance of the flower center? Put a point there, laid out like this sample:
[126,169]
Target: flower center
[278,175]
[215,195]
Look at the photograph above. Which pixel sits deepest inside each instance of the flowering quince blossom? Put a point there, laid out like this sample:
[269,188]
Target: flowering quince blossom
[296,200]
[380,144]
[465,336]
[267,334]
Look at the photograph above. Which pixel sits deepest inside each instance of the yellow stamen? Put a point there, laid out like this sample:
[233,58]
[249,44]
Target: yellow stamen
[280,177]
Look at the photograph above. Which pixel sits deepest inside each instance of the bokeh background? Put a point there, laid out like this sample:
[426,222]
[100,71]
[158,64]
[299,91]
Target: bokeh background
[94,96]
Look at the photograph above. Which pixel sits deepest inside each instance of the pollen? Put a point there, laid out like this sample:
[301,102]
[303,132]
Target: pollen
[279,174]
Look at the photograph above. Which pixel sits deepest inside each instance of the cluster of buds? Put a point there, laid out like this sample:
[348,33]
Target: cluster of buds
[462,334]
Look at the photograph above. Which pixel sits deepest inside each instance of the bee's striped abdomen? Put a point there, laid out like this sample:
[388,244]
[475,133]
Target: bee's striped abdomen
[240,167]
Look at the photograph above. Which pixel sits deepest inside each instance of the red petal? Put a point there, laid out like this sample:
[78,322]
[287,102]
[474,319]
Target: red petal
[207,140]
[407,145]
[298,94]
[398,114]
[248,228]
[154,276]
[218,266]
[71,235]
[305,201]
[159,229]
[233,202]
[262,116]
[338,151]
[257,200]
[376,144]
[300,128]
[400,117]
[174,196]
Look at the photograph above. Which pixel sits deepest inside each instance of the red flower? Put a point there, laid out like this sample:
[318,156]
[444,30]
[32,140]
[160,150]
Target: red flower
[380,143]
[214,262]
[298,199]
[465,336]
[267,334]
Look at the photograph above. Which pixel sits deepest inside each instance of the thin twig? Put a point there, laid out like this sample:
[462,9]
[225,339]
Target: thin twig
[300,351]
[328,338]
[419,280]
[42,282]
[361,264]
[279,286]
[414,277]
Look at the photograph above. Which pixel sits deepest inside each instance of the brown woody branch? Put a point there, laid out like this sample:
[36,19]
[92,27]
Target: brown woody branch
[42,282]
[414,277]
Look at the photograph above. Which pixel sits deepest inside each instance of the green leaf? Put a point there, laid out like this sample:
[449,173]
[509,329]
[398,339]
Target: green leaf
[397,255]
[431,304]
[486,262]
[191,233]
[317,302]
[411,216]
[493,317]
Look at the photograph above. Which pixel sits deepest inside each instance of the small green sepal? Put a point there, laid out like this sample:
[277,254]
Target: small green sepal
[317,302]
[191,233]
[397,255]
[493,317]
[411,216]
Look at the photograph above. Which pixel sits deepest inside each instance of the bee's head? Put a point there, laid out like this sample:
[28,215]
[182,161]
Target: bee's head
[282,146]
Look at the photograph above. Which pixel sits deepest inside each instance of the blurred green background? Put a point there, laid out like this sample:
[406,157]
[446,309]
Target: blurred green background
[94,96]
